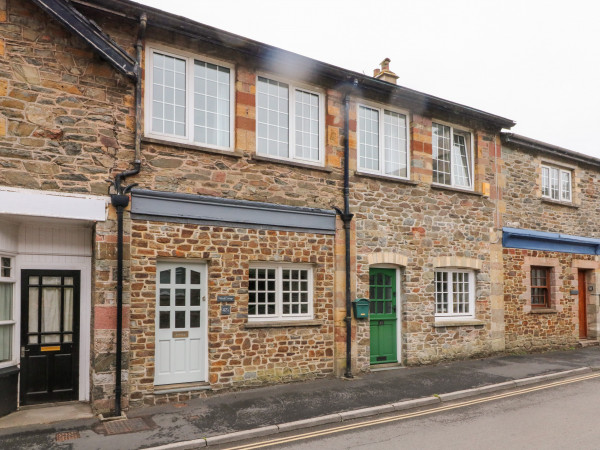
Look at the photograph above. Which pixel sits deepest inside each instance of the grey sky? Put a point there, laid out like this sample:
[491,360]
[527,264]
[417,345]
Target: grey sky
[536,62]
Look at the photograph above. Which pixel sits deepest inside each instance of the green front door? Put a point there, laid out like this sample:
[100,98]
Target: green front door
[382,315]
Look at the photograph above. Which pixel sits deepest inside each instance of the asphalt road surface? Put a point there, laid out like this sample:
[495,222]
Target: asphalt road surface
[565,416]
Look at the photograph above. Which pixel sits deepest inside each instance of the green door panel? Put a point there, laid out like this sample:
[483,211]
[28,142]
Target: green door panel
[382,315]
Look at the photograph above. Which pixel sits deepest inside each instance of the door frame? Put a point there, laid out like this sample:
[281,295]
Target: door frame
[84,266]
[205,308]
[399,306]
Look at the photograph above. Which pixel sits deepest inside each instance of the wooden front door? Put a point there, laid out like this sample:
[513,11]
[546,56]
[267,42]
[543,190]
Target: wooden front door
[49,336]
[382,315]
[181,323]
[582,305]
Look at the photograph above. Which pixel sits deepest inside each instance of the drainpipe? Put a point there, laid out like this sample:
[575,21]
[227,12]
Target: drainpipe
[346,217]
[120,200]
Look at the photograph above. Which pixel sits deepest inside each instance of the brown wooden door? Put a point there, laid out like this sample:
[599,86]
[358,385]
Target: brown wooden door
[582,306]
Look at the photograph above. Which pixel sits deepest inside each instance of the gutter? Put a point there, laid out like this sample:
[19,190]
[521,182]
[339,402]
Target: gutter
[120,200]
[346,217]
[532,144]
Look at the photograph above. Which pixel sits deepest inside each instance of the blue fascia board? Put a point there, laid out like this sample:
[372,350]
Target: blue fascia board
[554,242]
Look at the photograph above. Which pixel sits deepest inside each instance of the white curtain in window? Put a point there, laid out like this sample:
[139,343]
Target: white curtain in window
[51,309]
[6,291]
[6,301]
[68,310]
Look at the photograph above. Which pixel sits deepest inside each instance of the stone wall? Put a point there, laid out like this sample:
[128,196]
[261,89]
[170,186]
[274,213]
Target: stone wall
[239,356]
[530,329]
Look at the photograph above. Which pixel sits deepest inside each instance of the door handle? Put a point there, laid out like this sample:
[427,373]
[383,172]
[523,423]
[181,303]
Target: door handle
[23,351]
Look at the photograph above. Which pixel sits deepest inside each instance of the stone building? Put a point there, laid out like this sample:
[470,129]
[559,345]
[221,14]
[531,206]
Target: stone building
[228,256]
[551,241]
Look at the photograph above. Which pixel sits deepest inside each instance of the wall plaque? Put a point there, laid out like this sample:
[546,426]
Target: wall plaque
[181,334]
[226,310]
[225,298]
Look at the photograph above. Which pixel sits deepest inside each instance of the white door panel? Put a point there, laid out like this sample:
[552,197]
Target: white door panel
[181,353]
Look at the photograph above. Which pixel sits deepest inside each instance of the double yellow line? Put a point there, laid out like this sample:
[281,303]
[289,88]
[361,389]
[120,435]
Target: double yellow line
[369,423]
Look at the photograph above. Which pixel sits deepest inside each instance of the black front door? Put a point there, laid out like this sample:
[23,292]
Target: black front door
[49,336]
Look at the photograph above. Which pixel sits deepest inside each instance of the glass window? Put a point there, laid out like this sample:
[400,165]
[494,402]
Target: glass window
[382,147]
[540,287]
[556,183]
[452,160]
[279,292]
[288,121]
[205,102]
[7,322]
[454,293]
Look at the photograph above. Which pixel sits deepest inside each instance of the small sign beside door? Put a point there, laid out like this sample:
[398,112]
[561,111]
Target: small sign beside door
[225,298]
[226,310]
[53,348]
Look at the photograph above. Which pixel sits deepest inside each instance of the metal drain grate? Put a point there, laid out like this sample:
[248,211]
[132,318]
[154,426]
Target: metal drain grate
[126,426]
[67,436]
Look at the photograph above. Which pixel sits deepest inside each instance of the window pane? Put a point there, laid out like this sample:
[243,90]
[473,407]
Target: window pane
[307,125]
[169,91]
[441,153]
[5,267]
[165,276]
[545,181]
[179,297]
[68,310]
[194,277]
[6,332]
[194,297]
[194,319]
[164,319]
[272,119]
[50,309]
[211,101]
[441,292]
[6,301]
[33,310]
[461,158]
[554,183]
[394,130]
[165,297]
[261,292]
[180,275]
[565,187]
[368,132]
[179,319]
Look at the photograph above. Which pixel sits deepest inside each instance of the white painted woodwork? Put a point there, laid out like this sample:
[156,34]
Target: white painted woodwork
[181,359]
[25,202]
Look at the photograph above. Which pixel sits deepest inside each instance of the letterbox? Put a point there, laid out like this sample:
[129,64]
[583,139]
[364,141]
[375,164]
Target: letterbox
[361,308]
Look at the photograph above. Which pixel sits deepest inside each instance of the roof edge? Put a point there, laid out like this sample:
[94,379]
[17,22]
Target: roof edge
[533,144]
[197,30]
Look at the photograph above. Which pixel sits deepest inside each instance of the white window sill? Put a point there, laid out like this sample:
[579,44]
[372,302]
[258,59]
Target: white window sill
[378,176]
[456,322]
[291,162]
[455,189]
[167,143]
[285,323]
[551,201]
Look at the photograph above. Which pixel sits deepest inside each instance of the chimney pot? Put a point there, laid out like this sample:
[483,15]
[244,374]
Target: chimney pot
[385,74]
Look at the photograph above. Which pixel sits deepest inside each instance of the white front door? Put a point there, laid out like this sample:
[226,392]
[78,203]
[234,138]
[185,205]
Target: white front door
[181,323]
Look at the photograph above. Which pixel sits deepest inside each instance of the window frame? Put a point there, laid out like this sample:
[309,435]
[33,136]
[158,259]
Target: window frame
[561,171]
[292,87]
[472,279]
[547,287]
[279,316]
[11,280]
[471,143]
[189,57]
[382,109]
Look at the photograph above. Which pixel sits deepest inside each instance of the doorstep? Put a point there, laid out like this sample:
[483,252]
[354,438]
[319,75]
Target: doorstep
[47,413]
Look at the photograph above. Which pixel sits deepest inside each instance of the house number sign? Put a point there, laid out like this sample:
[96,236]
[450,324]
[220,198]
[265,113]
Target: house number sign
[226,310]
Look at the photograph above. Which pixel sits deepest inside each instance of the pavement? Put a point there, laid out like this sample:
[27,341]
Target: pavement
[230,416]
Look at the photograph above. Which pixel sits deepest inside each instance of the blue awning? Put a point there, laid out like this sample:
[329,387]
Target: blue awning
[553,242]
